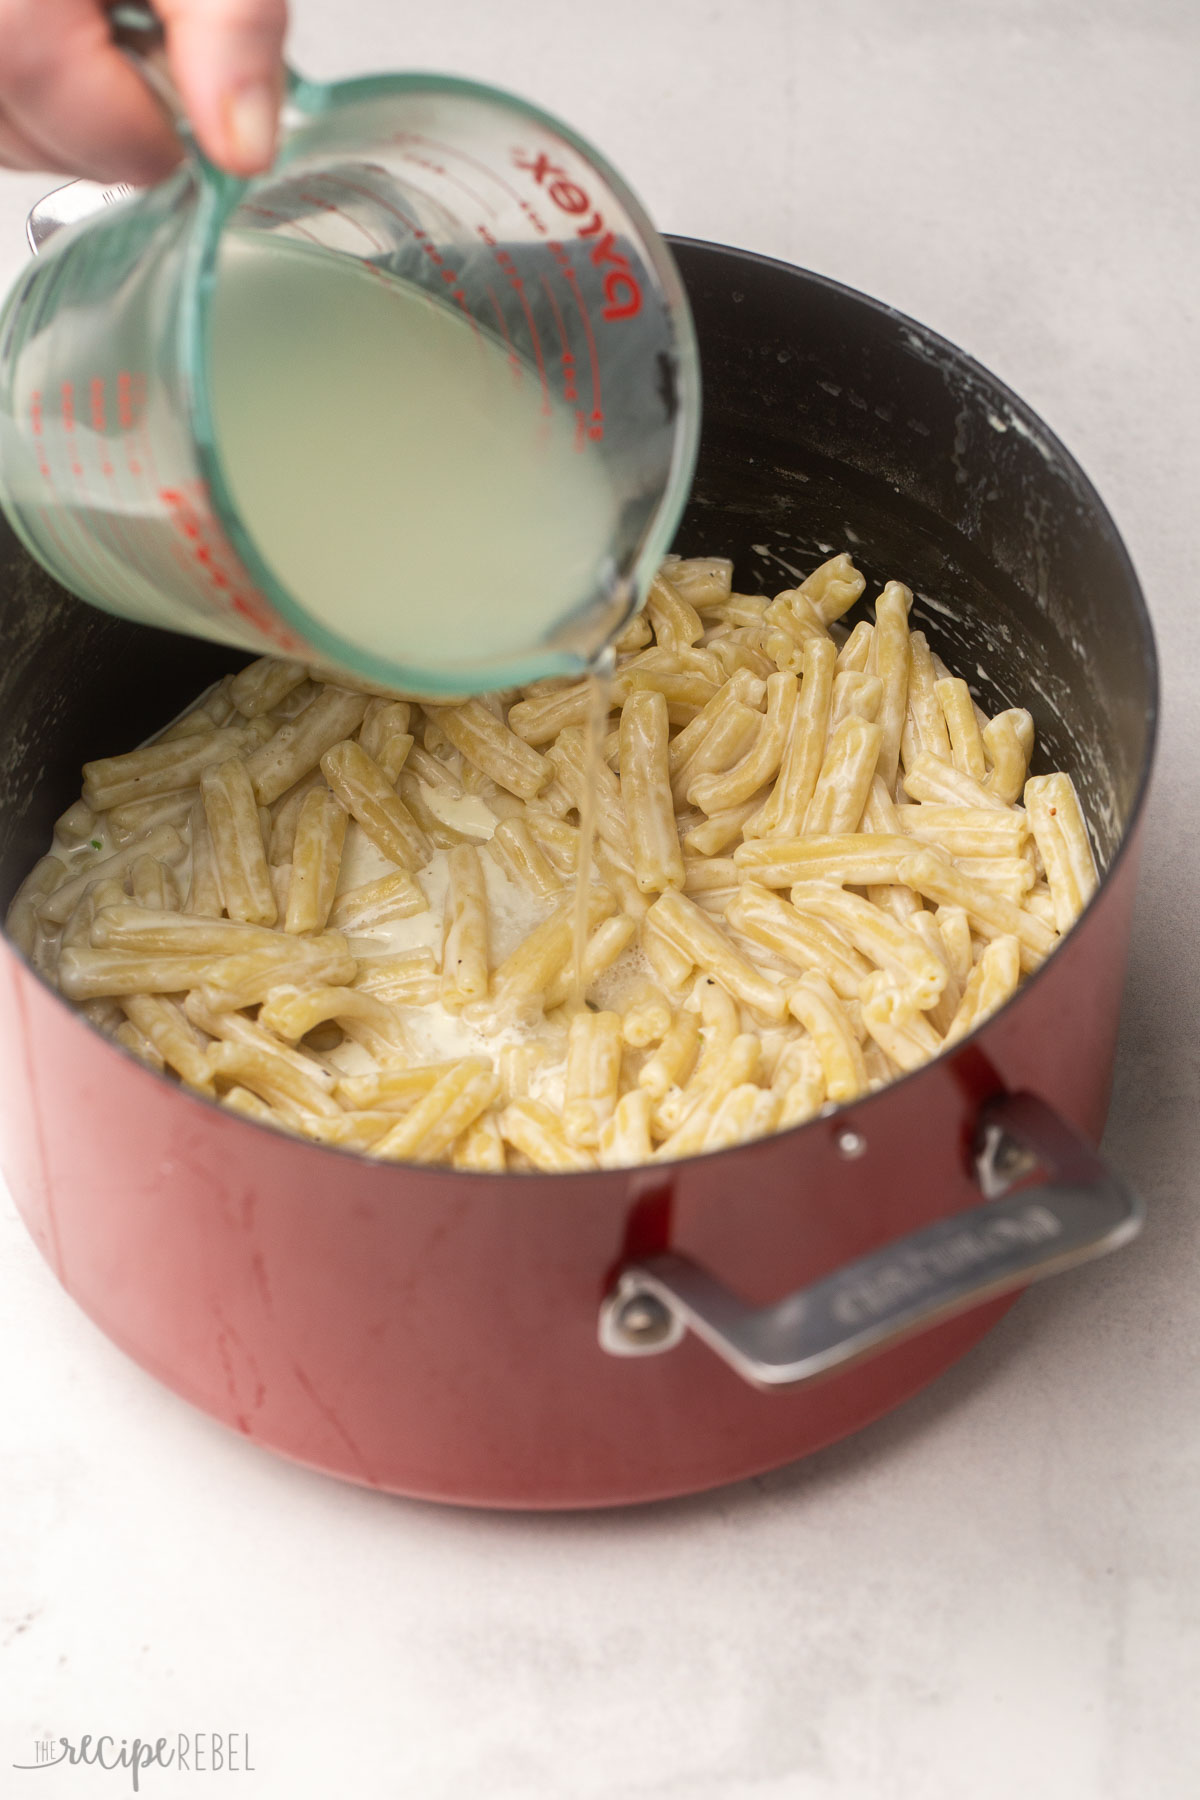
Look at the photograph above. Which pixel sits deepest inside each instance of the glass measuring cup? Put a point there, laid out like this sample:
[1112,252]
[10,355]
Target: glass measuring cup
[421,402]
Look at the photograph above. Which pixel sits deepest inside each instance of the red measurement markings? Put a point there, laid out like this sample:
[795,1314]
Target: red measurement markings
[37,427]
[210,556]
[570,386]
[464,307]
[67,409]
[595,425]
[513,276]
[456,294]
[284,223]
[92,535]
[389,206]
[328,206]
[452,150]
[113,527]
[102,526]
[130,409]
[434,255]
[412,190]
[47,514]
[519,289]
[622,291]
[132,390]
[149,466]
[127,419]
[514,361]
[446,273]
[439,169]
[464,156]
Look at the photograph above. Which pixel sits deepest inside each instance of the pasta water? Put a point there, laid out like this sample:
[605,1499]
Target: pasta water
[406,478]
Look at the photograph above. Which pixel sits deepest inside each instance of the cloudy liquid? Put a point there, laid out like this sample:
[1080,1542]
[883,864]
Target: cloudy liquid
[412,486]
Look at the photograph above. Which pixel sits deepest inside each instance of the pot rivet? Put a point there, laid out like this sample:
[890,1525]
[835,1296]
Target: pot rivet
[643,1319]
[851,1144]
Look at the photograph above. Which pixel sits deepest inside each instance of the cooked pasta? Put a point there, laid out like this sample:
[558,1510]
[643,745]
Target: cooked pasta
[351,916]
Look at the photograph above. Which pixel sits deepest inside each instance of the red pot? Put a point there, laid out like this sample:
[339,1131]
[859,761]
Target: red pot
[570,1341]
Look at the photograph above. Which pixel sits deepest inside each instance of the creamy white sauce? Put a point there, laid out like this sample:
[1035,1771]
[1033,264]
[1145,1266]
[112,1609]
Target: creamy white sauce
[436,1034]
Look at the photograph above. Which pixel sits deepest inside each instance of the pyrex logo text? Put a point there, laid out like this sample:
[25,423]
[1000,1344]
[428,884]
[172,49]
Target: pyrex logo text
[621,289]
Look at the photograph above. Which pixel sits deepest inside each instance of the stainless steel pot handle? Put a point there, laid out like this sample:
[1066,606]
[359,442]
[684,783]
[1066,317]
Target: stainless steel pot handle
[1077,1209]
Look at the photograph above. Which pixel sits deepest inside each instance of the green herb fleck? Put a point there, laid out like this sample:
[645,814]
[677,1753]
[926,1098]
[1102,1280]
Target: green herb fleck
[96,844]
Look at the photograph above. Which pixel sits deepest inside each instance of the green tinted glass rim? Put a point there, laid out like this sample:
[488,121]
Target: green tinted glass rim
[219,196]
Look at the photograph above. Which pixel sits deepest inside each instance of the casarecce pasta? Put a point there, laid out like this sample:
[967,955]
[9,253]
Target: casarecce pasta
[350,914]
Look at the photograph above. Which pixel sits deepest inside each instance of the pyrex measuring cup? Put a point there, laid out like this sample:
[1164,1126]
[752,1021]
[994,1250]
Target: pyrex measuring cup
[421,402]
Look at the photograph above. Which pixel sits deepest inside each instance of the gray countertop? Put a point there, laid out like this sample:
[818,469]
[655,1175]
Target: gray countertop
[994,1592]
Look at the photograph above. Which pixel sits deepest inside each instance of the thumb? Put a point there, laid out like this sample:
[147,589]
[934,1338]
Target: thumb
[226,57]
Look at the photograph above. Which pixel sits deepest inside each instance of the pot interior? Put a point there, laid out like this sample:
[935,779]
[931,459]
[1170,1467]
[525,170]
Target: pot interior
[830,423]
[833,422]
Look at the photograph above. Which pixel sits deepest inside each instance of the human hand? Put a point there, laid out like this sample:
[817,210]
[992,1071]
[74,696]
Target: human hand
[70,101]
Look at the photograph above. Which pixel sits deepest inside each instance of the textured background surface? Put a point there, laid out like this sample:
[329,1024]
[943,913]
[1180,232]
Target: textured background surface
[995,1592]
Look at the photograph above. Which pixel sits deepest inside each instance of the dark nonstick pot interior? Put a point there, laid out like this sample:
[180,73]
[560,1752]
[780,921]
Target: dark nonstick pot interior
[830,422]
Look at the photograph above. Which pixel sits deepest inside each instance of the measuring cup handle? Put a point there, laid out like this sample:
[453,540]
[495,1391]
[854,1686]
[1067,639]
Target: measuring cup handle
[138,32]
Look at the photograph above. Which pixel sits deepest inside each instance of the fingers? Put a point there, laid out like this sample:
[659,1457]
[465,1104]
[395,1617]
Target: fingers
[226,58]
[70,101]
